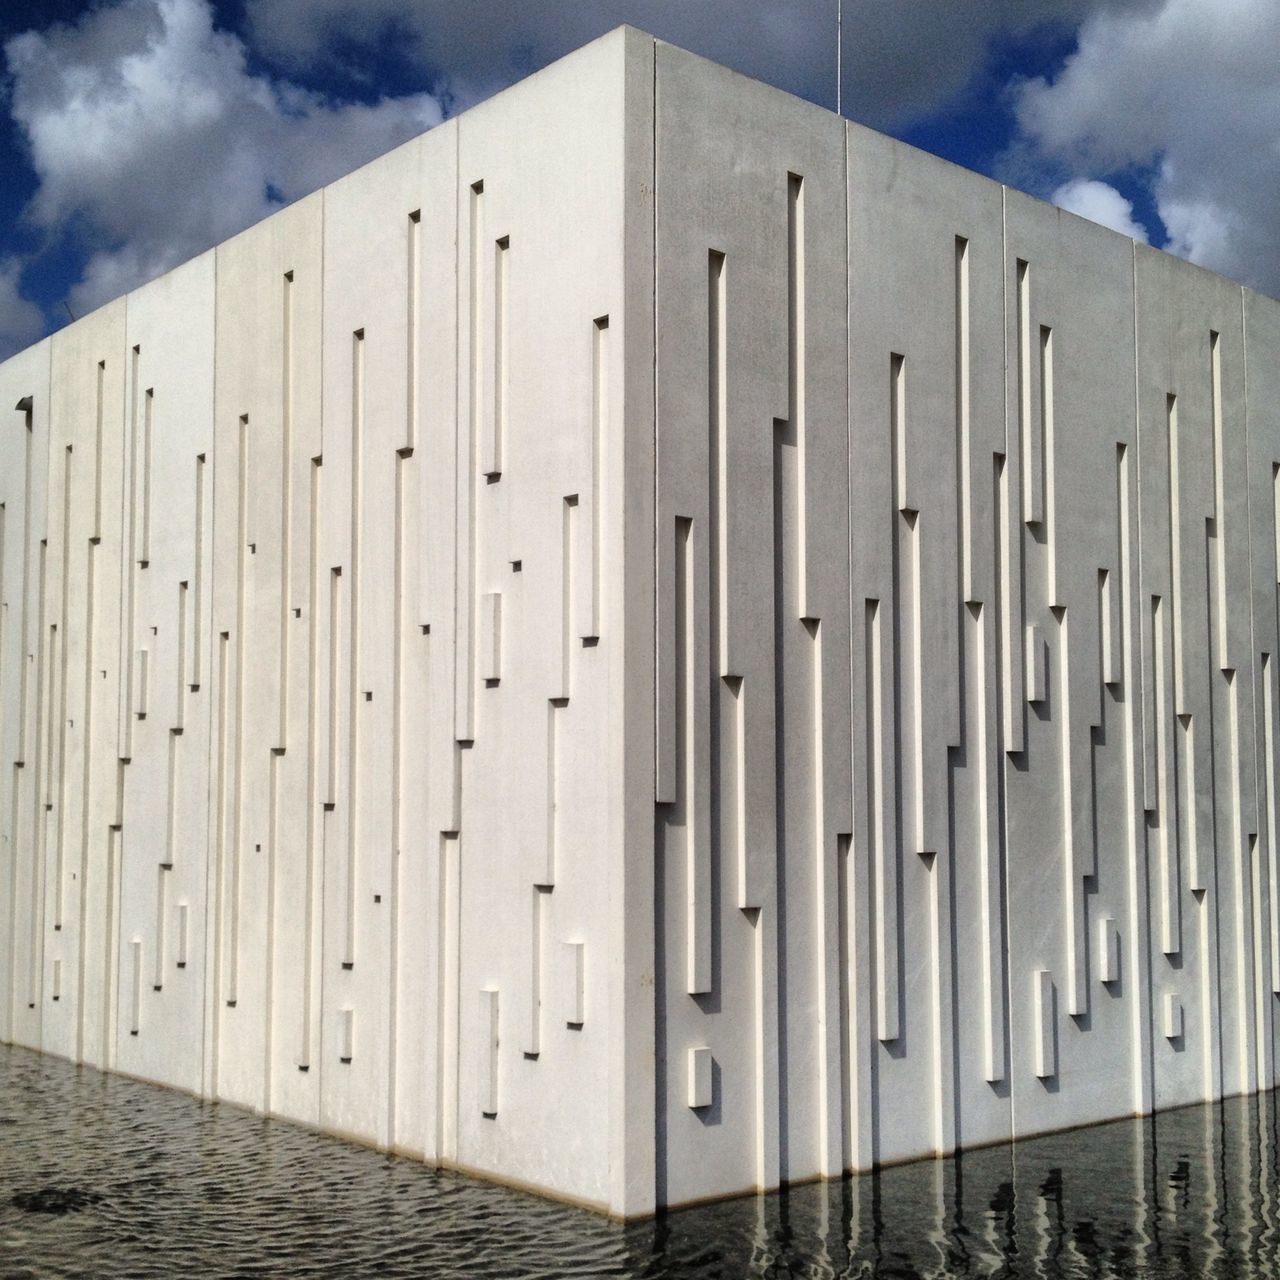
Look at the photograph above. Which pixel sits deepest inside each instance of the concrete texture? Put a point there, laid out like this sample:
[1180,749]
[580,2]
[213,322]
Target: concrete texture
[649,643]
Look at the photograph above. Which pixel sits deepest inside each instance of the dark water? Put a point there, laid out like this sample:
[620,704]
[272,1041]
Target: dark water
[103,1177]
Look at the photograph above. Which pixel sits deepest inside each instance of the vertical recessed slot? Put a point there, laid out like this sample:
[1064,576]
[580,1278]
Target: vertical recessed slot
[181,939]
[162,909]
[599,438]
[575,967]
[346,1034]
[568,589]
[963,420]
[898,429]
[56,993]
[491,637]
[1037,661]
[97,452]
[335,685]
[492,460]
[717,450]
[1269,792]
[487,1077]
[700,1077]
[286,511]
[1108,951]
[135,1002]
[1046,446]
[697,860]
[1219,498]
[796,375]
[1109,628]
[533,1035]
[1028,434]
[352,842]
[148,447]
[1175,544]
[197,592]
[179,703]
[545,875]
[883,860]
[413,323]
[141,666]
[1073,872]
[1165,815]
[749,891]
[989,834]
[1044,1021]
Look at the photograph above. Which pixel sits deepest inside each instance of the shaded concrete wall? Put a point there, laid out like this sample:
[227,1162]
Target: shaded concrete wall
[649,643]
[966,656]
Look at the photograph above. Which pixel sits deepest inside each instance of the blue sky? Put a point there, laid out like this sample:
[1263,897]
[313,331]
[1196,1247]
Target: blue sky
[136,133]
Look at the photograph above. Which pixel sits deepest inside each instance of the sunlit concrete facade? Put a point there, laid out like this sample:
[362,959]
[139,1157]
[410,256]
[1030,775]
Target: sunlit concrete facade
[649,643]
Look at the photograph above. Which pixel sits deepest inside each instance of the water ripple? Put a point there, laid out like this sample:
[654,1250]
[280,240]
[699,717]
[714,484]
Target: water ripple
[104,1177]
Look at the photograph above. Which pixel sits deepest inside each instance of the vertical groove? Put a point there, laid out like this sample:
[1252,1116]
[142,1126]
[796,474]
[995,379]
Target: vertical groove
[533,1036]
[599,433]
[135,1004]
[180,653]
[883,862]
[1170,915]
[286,506]
[335,685]
[1047,462]
[157,979]
[449,898]
[110,961]
[493,461]
[796,379]
[197,606]
[749,896]
[568,541]
[148,449]
[87,762]
[1219,497]
[131,494]
[63,660]
[697,868]
[397,789]
[238,730]
[1032,493]
[413,324]
[38,826]
[353,613]
[1073,887]
[1273,857]
[547,872]
[717,459]
[989,857]
[963,422]
[313,773]
[466,549]
[1175,549]
[97,454]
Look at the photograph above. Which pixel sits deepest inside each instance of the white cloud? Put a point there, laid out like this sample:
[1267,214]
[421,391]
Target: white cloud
[1100,203]
[900,59]
[146,126]
[1192,91]
[20,320]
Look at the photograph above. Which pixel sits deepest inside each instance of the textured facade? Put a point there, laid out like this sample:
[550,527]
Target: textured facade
[649,643]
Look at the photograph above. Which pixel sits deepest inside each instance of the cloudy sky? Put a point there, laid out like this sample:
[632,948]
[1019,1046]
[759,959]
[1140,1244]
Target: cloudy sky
[136,133]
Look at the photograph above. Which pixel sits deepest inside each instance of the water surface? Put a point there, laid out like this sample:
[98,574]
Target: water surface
[101,1176]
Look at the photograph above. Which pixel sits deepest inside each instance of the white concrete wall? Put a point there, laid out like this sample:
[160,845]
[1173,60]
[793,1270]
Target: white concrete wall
[965,692]
[649,643]
[312,653]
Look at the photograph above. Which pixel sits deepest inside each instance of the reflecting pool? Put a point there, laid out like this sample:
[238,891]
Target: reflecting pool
[101,1176]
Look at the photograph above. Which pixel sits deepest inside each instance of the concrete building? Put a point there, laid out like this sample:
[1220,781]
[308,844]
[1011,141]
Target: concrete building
[649,643]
